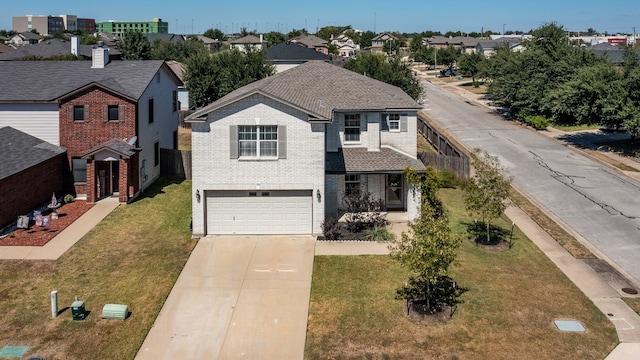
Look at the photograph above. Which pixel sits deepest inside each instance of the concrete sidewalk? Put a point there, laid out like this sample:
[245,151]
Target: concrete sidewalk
[67,237]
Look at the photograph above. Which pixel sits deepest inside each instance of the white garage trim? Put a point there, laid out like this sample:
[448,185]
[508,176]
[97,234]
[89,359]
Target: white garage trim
[259,212]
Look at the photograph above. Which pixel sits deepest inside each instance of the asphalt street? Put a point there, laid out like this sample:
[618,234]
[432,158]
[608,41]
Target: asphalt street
[597,202]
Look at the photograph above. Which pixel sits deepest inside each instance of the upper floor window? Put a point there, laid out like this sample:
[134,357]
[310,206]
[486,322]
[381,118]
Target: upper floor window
[78,113]
[151,113]
[258,141]
[394,122]
[352,127]
[113,113]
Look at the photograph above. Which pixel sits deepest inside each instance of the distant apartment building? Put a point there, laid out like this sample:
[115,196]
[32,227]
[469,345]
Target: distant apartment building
[49,25]
[156,26]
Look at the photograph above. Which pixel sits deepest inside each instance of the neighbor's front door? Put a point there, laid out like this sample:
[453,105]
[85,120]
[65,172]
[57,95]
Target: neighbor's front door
[395,191]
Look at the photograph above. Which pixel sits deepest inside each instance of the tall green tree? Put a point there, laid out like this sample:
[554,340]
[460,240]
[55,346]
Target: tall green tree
[471,65]
[391,70]
[488,190]
[215,34]
[427,250]
[449,55]
[328,31]
[134,46]
[296,32]
[274,38]
[366,38]
[210,77]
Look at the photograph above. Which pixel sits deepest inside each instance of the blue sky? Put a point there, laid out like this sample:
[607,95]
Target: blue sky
[195,16]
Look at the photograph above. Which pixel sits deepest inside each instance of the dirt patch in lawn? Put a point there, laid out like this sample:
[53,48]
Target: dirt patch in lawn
[39,236]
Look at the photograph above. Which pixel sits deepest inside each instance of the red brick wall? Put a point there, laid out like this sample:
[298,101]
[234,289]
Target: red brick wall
[78,137]
[25,191]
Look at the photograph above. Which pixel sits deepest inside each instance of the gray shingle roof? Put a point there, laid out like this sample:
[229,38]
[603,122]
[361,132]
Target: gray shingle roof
[115,145]
[43,81]
[320,88]
[50,48]
[20,151]
[287,51]
[310,40]
[249,39]
[360,160]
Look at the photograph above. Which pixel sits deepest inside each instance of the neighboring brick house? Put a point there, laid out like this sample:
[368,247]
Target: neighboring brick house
[278,155]
[313,42]
[111,117]
[32,170]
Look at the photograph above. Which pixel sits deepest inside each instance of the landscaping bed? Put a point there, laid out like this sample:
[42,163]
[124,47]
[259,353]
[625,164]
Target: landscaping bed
[39,236]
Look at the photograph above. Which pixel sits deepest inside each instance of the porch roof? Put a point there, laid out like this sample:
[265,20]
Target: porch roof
[360,160]
[119,147]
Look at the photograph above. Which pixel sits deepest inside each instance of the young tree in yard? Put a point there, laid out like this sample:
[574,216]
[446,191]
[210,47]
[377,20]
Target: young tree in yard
[471,65]
[134,46]
[488,189]
[427,251]
[215,34]
[449,55]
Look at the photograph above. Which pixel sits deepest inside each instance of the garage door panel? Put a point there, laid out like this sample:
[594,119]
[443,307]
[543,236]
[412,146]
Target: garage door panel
[265,212]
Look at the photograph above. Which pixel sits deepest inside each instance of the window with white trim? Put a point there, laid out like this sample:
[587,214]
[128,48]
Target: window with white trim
[258,141]
[394,122]
[352,127]
[351,184]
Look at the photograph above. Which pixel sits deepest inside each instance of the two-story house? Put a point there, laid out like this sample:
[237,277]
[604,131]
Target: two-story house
[377,43]
[278,155]
[111,117]
[345,45]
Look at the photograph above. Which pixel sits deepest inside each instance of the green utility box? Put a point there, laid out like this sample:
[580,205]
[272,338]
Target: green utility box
[115,311]
[77,310]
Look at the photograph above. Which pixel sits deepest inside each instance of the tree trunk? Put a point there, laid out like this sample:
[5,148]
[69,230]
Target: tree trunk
[488,239]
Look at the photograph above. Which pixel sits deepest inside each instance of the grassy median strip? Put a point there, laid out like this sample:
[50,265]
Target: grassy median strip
[508,311]
[133,257]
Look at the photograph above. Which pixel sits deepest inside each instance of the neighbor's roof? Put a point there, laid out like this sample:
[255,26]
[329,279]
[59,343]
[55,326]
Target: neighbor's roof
[456,40]
[44,81]
[249,39]
[361,160]
[118,146]
[20,151]
[499,42]
[310,40]
[49,48]
[288,51]
[319,88]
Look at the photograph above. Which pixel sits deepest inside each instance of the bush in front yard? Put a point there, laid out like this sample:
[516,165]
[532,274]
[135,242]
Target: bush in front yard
[363,212]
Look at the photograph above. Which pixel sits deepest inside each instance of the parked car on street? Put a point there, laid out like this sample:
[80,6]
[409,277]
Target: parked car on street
[448,72]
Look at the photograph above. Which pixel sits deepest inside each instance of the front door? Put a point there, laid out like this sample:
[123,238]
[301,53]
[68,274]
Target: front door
[395,191]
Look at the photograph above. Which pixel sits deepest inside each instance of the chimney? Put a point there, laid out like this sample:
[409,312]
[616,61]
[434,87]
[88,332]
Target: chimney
[75,45]
[260,38]
[99,57]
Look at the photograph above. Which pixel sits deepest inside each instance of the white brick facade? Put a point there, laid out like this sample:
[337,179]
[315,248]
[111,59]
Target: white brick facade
[214,169]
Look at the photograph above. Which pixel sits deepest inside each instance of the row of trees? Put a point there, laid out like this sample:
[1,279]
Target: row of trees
[564,84]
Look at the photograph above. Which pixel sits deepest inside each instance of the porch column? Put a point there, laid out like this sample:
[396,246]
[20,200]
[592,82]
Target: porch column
[123,184]
[92,195]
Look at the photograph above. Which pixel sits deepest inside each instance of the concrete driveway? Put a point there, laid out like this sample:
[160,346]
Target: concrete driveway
[237,297]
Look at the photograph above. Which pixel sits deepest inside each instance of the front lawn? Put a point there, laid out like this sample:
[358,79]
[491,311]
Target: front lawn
[133,257]
[508,311]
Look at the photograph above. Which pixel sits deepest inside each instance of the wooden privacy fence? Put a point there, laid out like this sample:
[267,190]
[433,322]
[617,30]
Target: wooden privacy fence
[449,155]
[457,165]
[175,163]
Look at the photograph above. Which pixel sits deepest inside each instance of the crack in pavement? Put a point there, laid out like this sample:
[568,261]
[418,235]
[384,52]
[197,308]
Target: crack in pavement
[562,178]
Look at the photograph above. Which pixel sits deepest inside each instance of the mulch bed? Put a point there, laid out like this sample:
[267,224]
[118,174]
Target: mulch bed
[38,236]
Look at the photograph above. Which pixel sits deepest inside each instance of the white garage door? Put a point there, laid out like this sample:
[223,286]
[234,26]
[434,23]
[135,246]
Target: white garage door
[259,212]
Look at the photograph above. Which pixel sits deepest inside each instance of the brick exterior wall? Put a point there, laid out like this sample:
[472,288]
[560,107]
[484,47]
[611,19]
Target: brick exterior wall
[27,190]
[78,137]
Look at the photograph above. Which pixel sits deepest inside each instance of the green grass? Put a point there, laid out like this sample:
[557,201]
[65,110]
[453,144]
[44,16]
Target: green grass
[570,128]
[508,311]
[133,257]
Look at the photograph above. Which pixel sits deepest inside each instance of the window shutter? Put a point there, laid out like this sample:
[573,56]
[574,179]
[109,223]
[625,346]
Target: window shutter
[72,113]
[403,123]
[105,113]
[120,112]
[384,124]
[282,142]
[233,141]
[86,113]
